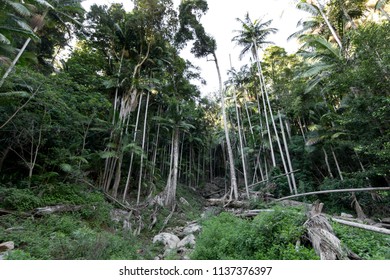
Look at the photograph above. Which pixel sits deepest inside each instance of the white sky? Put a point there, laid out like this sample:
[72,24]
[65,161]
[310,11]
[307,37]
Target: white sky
[220,22]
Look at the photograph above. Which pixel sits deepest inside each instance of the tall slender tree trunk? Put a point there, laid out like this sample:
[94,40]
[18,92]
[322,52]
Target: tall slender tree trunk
[170,190]
[327,163]
[262,82]
[132,153]
[337,164]
[241,145]
[143,148]
[233,178]
[117,87]
[335,36]
[21,51]
[291,170]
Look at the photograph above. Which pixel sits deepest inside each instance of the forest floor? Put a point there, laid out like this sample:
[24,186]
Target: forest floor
[92,227]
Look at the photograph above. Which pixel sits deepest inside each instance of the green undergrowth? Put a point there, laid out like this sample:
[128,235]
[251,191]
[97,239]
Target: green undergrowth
[270,235]
[366,244]
[88,233]
[65,237]
[85,234]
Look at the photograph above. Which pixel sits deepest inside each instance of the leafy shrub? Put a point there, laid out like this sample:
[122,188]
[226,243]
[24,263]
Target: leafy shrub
[366,244]
[18,255]
[19,199]
[271,235]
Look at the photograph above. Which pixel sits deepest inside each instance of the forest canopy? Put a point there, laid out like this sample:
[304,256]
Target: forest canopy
[122,116]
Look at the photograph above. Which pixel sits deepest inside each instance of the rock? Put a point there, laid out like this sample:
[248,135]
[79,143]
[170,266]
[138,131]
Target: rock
[169,240]
[7,246]
[192,228]
[178,231]
[345,215]
[184,201]
[187,242]
[118,215]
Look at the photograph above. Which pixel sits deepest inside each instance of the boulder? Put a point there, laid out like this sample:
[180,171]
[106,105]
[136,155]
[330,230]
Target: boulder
[192,228]
[187,242]
[7,246]
[169,240]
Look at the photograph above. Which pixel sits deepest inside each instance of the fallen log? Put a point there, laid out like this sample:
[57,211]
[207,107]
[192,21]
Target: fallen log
[13,212]
[227,203]
[362,226]
[333,191]
[321,235]
[56,209]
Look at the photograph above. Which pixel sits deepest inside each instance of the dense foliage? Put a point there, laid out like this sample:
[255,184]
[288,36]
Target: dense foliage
[102,103]
[227,237]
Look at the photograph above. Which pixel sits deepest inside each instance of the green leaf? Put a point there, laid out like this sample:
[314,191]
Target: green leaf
[24,25]
[4,39]
[19,8]
[107,154]
[44,3]
[66,167]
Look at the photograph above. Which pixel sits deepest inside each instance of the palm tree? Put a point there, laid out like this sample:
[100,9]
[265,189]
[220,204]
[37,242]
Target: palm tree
[205,45]
[250,37]
[318,5]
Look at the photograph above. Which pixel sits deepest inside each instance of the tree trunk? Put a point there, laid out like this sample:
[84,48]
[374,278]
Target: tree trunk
[327,163]
[21,51]
[334,191]
[362,226]
[233,178]
[262,82]
[336,37]
[241,145]
[132,153]
[288,155]
[170,190]
[143,148]
[337,164]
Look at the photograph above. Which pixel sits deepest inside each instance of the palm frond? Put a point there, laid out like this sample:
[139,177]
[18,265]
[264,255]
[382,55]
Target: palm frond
[4,40]
[19,8]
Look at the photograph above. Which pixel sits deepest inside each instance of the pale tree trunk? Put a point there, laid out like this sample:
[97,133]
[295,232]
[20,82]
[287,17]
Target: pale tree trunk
[21,51]
[335,36]
[337,164]
[155,150]
[241,145]
[267,125]
[288,155]
[327,162]
[117,87]
[132,153]
[170,189]
[143,147]
[262,83]
[233,178]
[301,128]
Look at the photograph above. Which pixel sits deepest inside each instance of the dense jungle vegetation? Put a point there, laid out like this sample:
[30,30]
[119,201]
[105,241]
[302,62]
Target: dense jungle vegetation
[120,124]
